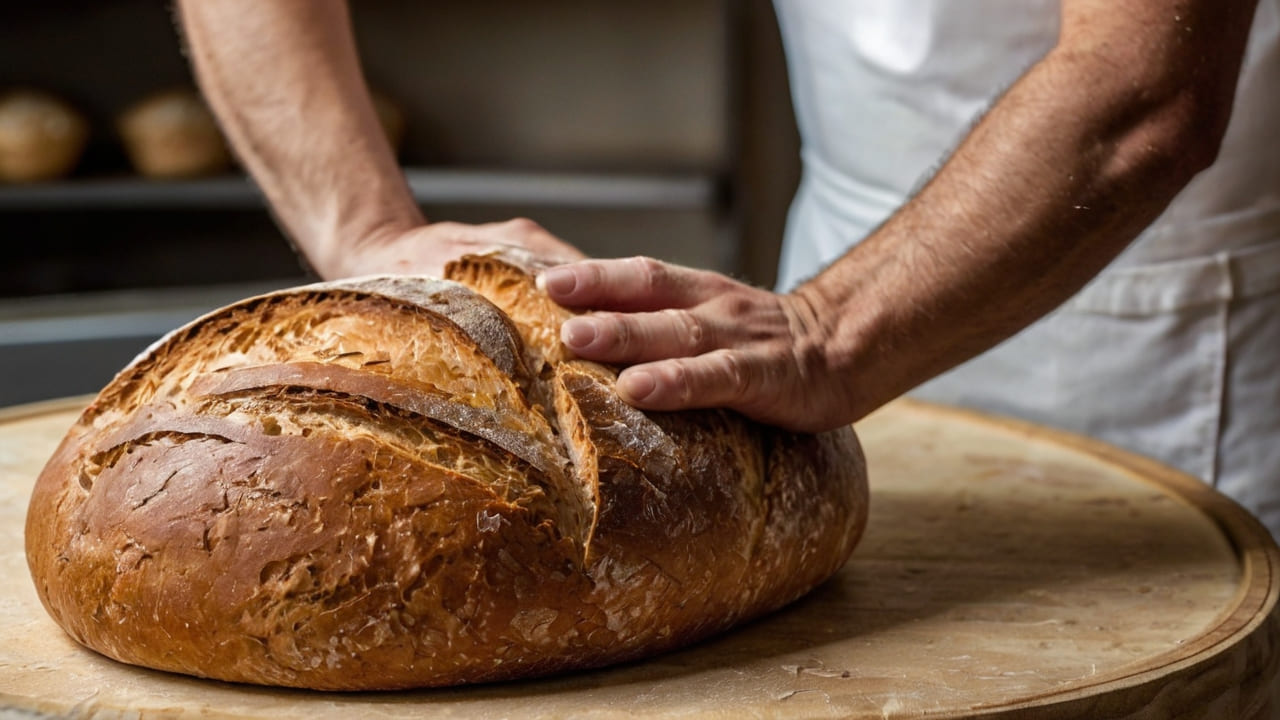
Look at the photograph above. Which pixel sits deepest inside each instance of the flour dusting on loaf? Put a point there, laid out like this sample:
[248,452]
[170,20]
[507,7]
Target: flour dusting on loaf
[404,482]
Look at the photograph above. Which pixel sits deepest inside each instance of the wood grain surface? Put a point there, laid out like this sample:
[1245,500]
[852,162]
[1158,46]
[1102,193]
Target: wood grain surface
[1008,572]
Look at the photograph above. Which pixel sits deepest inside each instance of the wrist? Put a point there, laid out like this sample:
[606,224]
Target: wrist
[838,343]
[346,249]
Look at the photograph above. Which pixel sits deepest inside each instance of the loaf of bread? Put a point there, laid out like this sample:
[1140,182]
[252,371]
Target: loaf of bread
[41,137]
[173,134]
[401,482]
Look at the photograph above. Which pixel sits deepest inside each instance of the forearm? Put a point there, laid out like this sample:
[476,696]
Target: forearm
[1080,155]
[284,79]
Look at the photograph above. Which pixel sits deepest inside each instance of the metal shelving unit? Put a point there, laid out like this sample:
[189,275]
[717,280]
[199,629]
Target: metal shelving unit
[631,191]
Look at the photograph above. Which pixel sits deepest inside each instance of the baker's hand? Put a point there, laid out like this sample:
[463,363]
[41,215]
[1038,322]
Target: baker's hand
[425,249]
[701,340]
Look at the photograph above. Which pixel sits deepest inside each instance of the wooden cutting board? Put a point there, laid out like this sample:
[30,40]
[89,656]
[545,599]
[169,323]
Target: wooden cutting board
[1008,571]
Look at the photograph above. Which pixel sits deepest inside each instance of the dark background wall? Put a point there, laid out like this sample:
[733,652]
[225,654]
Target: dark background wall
[552,110]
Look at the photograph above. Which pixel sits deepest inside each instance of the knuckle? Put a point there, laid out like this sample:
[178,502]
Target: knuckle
[682,382]
[591,276]
[449,229]
[689,334]
[650,271]
[726,284]
[740,304]
[623,333]
[735,374]
[735,301]
[523,225]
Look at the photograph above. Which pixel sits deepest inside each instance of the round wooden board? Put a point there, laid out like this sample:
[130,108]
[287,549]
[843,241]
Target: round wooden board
[1008,571]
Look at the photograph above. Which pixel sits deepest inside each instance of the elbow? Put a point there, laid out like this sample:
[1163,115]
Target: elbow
[1168,143]
[1185,131]
[1199,124]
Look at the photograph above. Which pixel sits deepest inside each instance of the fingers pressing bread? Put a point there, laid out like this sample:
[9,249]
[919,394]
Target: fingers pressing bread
[637,284]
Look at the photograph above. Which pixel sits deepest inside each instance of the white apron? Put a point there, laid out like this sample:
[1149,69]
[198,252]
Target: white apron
[1174,350]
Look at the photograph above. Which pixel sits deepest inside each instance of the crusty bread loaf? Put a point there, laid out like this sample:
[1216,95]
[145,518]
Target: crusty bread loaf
[395,482]
[41,137]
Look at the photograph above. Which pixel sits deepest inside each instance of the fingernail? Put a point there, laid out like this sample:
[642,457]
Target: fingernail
[637,384]
[557,281]
[577,332]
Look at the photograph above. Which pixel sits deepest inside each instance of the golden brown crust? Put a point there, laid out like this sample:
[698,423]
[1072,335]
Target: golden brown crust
[507,278]
[394,482]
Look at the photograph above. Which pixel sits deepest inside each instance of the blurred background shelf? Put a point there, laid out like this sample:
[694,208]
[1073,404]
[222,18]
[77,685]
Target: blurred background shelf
[430,186]
[71,344]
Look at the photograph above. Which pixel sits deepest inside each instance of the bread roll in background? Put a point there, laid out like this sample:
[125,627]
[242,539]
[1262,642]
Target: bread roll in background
[399,482]
[172,134]
[41,136]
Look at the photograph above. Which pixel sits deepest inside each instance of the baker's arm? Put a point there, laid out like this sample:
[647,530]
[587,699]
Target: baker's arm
[1072,162]
[284,79]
